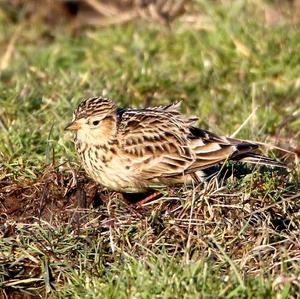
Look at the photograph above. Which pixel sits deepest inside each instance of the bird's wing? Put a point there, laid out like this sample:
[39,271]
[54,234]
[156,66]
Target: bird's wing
[161,143]
[211,149]
[156,141]
[174,108]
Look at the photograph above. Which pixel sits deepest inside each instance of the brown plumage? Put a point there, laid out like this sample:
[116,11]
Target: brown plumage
[134,150]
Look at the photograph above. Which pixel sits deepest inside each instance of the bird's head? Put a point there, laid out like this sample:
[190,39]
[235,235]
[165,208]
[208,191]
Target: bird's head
[94,120]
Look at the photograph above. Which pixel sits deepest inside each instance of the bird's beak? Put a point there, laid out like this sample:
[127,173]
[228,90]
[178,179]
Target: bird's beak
[73,126]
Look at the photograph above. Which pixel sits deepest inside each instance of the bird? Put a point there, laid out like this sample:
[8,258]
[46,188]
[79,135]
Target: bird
[131,150]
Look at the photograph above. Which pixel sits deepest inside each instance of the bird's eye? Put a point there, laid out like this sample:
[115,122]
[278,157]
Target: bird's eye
[96,122]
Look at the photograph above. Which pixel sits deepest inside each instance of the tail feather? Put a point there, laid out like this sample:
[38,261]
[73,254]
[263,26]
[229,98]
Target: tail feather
[258,159]
[211,149]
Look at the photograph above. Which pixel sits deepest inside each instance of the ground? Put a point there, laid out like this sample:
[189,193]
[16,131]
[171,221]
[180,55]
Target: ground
[236,66]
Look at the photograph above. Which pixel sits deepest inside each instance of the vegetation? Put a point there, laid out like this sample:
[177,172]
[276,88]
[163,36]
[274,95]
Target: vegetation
[232,65]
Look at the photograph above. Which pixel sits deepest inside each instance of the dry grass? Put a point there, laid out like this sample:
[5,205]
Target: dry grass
[248,225]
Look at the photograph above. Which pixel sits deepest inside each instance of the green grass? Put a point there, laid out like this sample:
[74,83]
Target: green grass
[81,265]
[239,241]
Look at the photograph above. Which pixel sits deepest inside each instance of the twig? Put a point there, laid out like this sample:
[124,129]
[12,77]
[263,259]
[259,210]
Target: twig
[112,20]
[244,123]
[272,146]
[103,9]
[188,243]
[10,48]
[274,204]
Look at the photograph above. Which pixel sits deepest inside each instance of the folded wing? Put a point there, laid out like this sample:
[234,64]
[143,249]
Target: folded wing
[160,142]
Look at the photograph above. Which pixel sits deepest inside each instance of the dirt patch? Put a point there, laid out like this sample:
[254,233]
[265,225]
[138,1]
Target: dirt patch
[46,198]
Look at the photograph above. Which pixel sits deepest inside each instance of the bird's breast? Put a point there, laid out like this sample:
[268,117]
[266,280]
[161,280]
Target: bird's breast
[107,166]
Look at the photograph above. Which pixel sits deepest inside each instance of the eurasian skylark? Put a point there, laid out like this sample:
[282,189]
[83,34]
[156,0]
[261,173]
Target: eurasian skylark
[137,150]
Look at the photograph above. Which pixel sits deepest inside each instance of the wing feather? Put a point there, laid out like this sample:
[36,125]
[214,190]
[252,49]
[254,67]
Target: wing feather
[162,138]
[161,143]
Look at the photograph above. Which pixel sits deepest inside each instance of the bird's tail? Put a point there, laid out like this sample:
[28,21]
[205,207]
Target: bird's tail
[254,158]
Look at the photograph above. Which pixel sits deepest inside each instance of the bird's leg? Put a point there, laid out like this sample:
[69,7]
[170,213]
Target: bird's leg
[138,199]
[154,195]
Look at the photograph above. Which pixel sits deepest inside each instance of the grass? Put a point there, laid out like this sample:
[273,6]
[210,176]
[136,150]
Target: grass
[235,239]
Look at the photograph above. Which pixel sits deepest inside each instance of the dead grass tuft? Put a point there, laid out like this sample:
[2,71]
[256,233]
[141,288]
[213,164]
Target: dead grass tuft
[249,225]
